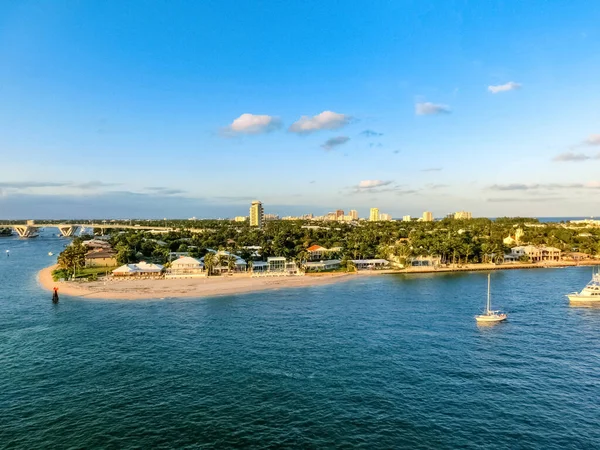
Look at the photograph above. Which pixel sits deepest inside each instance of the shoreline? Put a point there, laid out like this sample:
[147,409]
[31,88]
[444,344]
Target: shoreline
[149,289]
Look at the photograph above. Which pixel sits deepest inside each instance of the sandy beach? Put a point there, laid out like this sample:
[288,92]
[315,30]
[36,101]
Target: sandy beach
[180,288]
[124,289]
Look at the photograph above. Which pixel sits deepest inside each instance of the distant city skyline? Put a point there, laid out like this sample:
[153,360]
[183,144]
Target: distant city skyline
[195,109]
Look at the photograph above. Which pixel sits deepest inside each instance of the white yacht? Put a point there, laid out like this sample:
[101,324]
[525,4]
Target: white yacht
[490,316]
[590,293]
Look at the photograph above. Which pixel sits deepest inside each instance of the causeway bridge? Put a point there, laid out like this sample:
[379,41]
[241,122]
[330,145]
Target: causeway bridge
[30,229]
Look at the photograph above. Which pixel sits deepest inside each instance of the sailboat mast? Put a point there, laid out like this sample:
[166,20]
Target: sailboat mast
[488,296]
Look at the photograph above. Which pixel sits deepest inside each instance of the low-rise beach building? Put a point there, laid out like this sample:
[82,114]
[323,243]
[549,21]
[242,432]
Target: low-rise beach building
[185,267]
[533,253]
[320,266]
[101,258]
[362,264]
[142,270]
[425,261]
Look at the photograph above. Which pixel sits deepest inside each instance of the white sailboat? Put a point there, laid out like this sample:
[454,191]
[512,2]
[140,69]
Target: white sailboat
[490,316]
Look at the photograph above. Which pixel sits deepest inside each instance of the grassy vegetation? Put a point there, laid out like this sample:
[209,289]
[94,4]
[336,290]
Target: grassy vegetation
[91,273]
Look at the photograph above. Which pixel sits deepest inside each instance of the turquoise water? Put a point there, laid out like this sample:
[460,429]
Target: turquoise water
[382,362]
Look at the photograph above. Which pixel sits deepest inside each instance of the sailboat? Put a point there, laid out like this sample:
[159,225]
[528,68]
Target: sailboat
[489,315]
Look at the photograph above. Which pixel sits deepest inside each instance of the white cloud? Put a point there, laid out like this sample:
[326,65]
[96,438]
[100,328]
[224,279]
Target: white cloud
[327,120]
[253,124]
[370,184]
[594,139]
[427,109]
[510,86]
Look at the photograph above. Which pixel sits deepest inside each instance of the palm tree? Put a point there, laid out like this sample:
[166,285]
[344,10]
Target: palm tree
[249,265]
[209,263]
[231,260]
[221,261]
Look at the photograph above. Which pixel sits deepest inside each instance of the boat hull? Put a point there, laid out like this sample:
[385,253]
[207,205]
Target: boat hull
[576,298]
[491,319]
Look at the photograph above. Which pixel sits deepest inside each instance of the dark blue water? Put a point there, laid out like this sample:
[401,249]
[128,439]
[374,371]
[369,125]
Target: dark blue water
[381,362]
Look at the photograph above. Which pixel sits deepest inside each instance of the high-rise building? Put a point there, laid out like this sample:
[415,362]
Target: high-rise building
[427,216]
[385,217]
[354,214]
[406,219]
[257,214]
[463,215]
[374,215]
[339,213]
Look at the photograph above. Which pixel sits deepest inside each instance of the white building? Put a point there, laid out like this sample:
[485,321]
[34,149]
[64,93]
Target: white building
[257,214]
[354,214]
[385,217]
[185,267]
[374,215]
[406,219]
[320,266]
[463,215]
[533,253]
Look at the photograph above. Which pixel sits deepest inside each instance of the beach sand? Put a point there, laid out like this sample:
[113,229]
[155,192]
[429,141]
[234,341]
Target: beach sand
[128,289]
[181,287]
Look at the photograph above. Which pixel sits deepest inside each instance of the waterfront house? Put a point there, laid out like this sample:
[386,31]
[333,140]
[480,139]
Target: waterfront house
[142,270]
[316,252]
[278,264]
[320,266]
[240,264]
[101,258]
[370,263]
[533,253]
[185,267]
[425,261]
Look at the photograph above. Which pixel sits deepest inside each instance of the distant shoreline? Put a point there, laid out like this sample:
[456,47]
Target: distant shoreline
[240,284]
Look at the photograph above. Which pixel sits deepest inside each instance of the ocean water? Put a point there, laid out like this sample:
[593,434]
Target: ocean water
[376,362]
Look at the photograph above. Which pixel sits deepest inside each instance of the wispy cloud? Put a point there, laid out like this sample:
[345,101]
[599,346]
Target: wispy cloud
[428,109]
[370,184]
[252,124]
[327,120]
[94,185]
[572,156]
[160,190]
[510,86]
[370,133]
[375,145]
[524,199]
[432,169]
[542,186]
[31,184]
[593,139]
[334,142]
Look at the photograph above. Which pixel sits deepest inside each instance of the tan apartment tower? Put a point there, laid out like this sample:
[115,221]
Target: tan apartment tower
[354,214]
[427,216]
[374,215]
[257,214]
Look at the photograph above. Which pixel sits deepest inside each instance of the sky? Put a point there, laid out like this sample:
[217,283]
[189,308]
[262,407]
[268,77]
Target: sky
[136,109]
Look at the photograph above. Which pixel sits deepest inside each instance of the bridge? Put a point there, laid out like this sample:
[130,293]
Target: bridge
[30,229]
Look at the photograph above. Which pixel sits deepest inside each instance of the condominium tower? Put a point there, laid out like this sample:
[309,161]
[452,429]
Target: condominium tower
[374,215]
[257,214]
[354,214]
[427,216]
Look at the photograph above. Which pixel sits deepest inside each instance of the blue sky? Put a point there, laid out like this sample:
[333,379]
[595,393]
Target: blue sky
[181,109]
